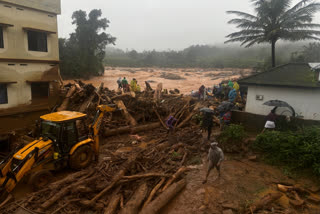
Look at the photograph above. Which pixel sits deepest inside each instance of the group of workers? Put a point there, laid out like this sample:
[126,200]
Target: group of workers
[224,91]
[124,85]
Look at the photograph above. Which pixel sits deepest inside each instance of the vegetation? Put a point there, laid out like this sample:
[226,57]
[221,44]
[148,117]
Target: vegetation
[275,20]
[233,134]
[202,56]
[82,54]
[296,150]
[310,53]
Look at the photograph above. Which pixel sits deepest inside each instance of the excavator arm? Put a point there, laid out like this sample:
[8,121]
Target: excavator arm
[95,126]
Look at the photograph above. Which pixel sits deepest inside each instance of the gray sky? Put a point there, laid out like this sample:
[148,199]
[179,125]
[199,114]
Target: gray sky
[160,24]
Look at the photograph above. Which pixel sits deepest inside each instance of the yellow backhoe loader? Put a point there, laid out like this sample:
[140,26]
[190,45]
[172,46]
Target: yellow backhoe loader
[61,144]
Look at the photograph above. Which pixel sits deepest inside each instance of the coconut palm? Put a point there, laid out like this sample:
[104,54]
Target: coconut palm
[275,20]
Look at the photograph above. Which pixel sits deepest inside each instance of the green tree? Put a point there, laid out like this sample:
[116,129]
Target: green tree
[82,54]
[310,53]
[275,20]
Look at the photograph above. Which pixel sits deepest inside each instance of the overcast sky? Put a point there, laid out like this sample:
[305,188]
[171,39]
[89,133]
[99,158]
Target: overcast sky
[160,24]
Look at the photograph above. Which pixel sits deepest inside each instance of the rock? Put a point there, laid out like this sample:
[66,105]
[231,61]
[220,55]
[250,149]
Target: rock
[230,206]
[227,211]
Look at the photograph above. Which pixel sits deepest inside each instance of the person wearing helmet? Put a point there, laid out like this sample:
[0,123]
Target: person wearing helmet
[215,157]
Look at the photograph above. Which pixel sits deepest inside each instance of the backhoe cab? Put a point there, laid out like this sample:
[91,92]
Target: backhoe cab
[64,141]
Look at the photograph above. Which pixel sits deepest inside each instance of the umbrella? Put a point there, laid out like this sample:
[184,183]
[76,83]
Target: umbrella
[280,103]
[207,110]
[225,106]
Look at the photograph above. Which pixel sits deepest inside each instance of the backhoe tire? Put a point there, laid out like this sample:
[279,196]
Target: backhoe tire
[41,179]
[81,158]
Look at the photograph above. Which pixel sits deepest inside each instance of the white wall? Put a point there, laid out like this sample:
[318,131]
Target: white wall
[306,102]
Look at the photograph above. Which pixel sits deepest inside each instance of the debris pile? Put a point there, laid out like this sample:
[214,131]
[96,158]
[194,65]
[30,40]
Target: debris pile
[143,179]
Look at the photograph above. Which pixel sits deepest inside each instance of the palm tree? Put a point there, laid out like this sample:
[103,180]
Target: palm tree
[275,20]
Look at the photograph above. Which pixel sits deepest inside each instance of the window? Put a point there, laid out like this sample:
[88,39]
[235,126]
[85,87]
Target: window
[3,94]
[37,41]
[39,90]
[1,38]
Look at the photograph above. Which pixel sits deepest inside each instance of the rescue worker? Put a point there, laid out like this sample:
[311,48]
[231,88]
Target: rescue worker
[232,95]
[125,84]
[201,92]
[236,86]
[225,120]
[230,84]
[170,123]
[133,85]
[215,157]
[119,83]
[270,120]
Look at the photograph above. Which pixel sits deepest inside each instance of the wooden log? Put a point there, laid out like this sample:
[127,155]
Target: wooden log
[147,175]
[132,206]
[189,117]
[264,201]
[114,202]
[66,101]
[113,205]
[63,192]
[174,177]
[132,130]
[157,94]
[156,205]
[159,117]
[88,101]
[121,96]
[153,192]
[125,113]
[114,181]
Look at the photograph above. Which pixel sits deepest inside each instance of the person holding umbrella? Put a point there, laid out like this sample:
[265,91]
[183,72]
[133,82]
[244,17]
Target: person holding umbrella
[207,121]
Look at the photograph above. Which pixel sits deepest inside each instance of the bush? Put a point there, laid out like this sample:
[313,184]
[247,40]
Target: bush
[233,134]
[297,150]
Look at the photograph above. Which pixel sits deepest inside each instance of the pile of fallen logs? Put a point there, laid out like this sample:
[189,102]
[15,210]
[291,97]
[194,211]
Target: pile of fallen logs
[140,111]
[288,199]
[142,180]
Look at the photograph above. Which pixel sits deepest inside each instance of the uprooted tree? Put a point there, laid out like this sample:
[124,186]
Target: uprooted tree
[81,55]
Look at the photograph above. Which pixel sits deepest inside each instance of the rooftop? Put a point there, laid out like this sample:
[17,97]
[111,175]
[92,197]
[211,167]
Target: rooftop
[288,75]
[63,116]
[51,6]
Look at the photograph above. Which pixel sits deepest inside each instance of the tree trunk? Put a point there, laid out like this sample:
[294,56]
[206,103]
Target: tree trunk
[158,203]
[125,113]
[131,130]
[273,53]
[132,206]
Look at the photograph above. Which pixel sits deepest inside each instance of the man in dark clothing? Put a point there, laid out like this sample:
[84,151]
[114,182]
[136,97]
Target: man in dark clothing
[201,92]
[207,123]
[270,120]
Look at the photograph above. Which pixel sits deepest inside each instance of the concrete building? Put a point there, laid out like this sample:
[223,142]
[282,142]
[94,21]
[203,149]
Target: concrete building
[295,83]
[29,55]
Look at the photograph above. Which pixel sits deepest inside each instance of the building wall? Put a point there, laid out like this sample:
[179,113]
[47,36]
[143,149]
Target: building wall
[19,93]
[17,63]
[306,102]
[15,38]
